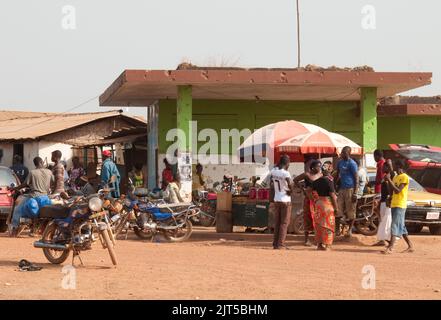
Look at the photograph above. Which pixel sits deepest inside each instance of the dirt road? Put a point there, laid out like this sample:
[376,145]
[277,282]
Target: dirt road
[240,266]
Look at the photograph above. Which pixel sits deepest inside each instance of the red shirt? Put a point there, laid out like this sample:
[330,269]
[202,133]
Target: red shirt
[379,175]
[167,177]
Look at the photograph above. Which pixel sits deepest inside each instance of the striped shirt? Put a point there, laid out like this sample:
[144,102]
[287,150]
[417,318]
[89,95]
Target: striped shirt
[58,172]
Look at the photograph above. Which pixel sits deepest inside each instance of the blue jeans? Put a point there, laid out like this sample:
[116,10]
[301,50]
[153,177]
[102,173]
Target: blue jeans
[398,227]
[18,213]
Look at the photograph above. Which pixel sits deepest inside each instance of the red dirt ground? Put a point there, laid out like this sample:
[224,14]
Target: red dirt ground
[228,266]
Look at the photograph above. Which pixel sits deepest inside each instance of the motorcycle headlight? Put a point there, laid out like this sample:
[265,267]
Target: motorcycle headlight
[95,204]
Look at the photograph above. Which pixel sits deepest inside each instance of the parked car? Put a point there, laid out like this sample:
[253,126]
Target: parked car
[424,163]
[423,208]
[7,178]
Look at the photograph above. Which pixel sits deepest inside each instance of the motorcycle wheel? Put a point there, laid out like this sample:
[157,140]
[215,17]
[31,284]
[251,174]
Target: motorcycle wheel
[299,224]
[119,225]
[180,234]
[144,234]
[52,255]
[367,227]
[207,216]
[109,246]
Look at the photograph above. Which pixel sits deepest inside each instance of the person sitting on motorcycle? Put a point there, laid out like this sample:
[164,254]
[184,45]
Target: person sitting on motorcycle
[39,182]
[86,188]
[174,190]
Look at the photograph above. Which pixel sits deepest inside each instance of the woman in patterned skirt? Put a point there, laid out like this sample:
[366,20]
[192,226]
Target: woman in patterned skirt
[325,201]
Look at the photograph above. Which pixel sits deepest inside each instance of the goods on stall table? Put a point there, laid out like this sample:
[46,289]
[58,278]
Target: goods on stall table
[263,194]
[253,193]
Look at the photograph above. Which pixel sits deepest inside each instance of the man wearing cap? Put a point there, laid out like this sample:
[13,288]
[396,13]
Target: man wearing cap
[109,170]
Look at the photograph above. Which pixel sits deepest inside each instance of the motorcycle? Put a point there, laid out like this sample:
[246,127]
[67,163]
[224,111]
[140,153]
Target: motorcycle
[142,214]
[366,218]
[85,229]
[206,201]
[229,183]
[35,225]
[175,226]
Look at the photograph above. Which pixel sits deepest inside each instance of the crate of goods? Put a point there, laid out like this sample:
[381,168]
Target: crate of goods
[263,194]
[253,193]
[224,201]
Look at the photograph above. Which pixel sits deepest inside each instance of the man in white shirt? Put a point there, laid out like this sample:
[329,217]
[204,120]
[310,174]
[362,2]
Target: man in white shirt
[281,188]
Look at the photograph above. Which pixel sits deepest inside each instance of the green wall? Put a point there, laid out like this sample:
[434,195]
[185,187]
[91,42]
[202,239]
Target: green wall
[341,117]
[393,130]
[415,129]
[426,130]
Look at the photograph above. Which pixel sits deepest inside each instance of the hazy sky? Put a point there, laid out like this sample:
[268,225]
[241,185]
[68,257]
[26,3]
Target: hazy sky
[47,68]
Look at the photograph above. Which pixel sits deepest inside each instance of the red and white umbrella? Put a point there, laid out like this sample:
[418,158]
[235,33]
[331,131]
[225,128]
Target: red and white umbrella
[321,142]
[264,140]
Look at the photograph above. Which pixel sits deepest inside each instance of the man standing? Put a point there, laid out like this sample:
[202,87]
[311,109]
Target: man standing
[399,186]
[281,188]
[383,233]
[347,173]
[379,159]
[58,172]
[19,169]
[108,171]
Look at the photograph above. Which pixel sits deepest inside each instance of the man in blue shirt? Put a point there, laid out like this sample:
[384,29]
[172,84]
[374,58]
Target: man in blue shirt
[347,175]
[108,170]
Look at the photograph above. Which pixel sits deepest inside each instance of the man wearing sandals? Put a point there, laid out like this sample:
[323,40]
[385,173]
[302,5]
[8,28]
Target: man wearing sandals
[399,186]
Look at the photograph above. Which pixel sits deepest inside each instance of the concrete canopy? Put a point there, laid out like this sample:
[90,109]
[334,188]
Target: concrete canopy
[143,87]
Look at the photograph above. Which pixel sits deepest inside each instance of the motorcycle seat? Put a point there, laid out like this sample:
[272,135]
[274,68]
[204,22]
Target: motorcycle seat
[54,212]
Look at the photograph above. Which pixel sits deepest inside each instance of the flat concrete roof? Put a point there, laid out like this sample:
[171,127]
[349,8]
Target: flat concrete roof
[409,110]
[143,87]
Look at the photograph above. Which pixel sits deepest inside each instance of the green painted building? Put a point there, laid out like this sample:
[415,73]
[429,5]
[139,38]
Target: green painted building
[413,123]
[341,101]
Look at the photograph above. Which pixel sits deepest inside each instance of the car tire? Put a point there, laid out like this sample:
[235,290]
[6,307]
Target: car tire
[414,228]
[435,230]
[3,226]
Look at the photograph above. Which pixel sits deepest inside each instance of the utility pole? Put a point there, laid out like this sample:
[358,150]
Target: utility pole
[298,34]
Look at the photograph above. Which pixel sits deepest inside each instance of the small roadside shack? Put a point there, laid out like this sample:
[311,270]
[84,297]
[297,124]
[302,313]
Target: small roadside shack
[31,134]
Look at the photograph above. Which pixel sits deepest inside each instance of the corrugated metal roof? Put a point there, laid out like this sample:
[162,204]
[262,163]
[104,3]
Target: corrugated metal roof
[24,128]
[12,114]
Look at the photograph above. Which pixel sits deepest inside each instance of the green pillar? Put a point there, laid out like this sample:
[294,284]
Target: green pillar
[184,116]
[368,119]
